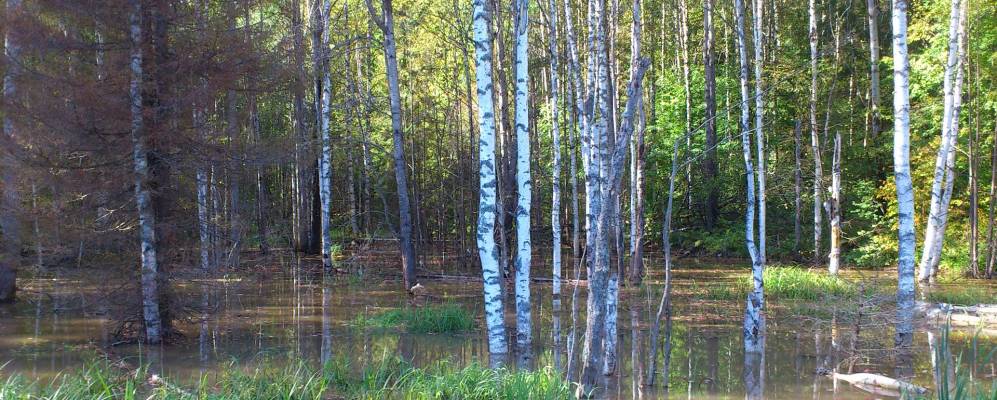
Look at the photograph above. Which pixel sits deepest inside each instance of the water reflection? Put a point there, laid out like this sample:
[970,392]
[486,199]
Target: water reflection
[248,320]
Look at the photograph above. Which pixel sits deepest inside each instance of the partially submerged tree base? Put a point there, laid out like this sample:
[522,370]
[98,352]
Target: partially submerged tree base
[8,284]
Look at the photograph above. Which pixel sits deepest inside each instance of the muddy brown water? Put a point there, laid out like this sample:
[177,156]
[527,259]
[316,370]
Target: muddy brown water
[245,320]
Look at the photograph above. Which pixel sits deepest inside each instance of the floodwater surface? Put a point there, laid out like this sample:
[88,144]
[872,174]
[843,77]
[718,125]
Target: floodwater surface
[240,321]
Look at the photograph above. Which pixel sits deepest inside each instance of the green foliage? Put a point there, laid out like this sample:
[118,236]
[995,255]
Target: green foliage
[445,318]
[391,377]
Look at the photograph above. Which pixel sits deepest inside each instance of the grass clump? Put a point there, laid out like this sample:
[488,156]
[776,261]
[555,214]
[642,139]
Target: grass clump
[444,318]
[786,283]
[800,284]
[394,378]
[962,296]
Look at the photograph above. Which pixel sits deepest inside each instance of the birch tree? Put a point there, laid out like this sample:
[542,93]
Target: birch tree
[944,178]
[873,19]
[710,162]
[902,177]
[386,22]
[754,319]
[9,224]
[322,27]
[498,346]
[143,199]
[555,213]
[814,138]
[523,184]
[834,208]
[756,34]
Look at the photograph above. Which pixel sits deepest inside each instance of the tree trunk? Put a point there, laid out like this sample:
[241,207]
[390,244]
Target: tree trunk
[974,228]
[759,134]
[321,20]
[873,18]
[387,24]
[298,126]
[555,208]
[262,192]
[798,184]
[498,346]
[754,319]
[991,248]
[665,304]
[143,199]
[523,183]
[710,163]
[11,202]
[834,212]
[902,177]
[945,160]
[814,138]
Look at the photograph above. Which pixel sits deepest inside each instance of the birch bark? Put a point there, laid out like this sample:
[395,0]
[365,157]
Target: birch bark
[523,183]
[143,199]
[497,342]
[902,177]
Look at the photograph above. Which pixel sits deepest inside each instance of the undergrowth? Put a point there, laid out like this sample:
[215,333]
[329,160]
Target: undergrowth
[444,318]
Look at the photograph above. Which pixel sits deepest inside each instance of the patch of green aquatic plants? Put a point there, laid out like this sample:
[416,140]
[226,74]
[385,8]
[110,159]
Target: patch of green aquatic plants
[786,283]
[443,318]
[394,378]
[967,296]
[390,377]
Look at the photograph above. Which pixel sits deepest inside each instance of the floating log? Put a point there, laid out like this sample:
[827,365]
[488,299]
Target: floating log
[865,381]
[981,315]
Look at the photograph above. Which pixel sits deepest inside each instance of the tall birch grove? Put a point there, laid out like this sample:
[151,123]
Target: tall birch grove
[500,180]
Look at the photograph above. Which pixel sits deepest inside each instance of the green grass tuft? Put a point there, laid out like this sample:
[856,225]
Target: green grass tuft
[786,283]
[445,318]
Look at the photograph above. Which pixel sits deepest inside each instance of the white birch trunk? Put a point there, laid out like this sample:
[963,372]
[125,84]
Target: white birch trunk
[325,155]
[202,216]
[834,213]
[498,346]
[523,184]
[555,213]
[754,322]
[941,186]
[902,177]
[873,18]
[143,199]
[759,135]
[814,138]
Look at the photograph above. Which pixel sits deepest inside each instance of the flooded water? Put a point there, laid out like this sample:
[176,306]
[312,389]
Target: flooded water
[244,320]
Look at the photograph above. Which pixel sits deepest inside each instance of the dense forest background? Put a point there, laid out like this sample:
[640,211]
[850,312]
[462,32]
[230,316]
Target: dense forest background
[232,88]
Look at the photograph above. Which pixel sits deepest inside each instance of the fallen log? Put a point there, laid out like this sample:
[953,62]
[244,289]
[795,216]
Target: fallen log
[982,315]
[866,381]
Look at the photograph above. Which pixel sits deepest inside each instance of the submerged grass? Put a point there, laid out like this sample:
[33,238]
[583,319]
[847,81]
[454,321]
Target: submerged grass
[444,318]
[786,283]
[389,378]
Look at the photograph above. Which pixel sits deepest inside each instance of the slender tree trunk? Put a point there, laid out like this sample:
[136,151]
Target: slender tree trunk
[637,157]
[991,248]
[754,319]
[798,184]
[687,86]
[498,346]
[902,177]
[759,134]
[710,163]
[387,24]
[262,192]
[814,138]
[321,20]
[974,227]
[941,188]
[9,223]
[834,212]
[143,199]
[665,304]
[298,126]
[523,182]
[873,18]
[555,208]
